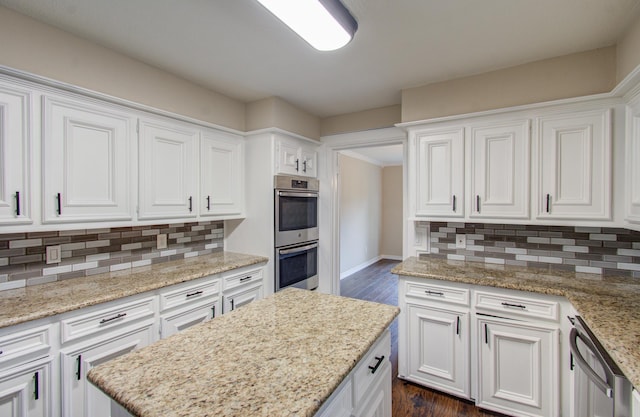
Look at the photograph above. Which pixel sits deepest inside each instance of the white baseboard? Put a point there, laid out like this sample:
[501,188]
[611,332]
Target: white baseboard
[359,267]
[391,257]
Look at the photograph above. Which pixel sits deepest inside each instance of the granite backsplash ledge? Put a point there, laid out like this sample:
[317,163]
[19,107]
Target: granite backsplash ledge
[88,252]
[597,250]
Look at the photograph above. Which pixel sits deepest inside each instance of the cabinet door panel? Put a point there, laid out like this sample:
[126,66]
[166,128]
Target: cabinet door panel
[178,321]
[79,396]
[222,177]
[500,171]
[168,168]
[517,368]
[14,156]
[575,166]
[86,163]
[288,158]
[440,173]
[308,161]
[26,391]
[439,348]
[633,162]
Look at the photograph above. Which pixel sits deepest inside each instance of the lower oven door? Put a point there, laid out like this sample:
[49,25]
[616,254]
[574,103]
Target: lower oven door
[297,266]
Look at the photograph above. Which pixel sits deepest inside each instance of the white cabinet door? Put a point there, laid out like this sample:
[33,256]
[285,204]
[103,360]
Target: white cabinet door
[15,146]
[241,296]
[439,161]
[500,171]
[80,398]
[168,170]
[517,367]
[574,169]
[378,401]
[309,161]
[86,162]
[633,162]
[175,322]
[26,391]
[222,175]
[438,341]
[288,159]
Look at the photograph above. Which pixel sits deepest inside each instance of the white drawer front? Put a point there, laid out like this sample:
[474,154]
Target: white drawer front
[236,280]
[509,305]
[442,293]
[104,319]
[370,368]
[25,346]
[189,294]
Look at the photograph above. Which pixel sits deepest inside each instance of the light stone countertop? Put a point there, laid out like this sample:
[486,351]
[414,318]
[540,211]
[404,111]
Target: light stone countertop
[45,300]
[280,356]
[609,305]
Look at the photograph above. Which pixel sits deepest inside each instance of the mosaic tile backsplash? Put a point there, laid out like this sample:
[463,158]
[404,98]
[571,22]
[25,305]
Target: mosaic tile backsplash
[93,251]
[598,250]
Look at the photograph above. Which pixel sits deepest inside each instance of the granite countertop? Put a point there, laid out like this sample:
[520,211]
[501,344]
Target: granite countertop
[280,356]
[609,305]
[39,301]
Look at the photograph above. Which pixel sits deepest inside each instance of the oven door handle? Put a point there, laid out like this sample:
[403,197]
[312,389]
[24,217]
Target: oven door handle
[295,194]
[297,249]
[582,363]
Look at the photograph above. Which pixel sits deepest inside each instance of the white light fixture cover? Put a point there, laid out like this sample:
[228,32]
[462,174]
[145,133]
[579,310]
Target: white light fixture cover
[325,24]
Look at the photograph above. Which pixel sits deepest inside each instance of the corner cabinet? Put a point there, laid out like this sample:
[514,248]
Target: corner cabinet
[168,170]
[438,172]
[633,162]
[500,155]
[87,151]
[574,166]
[15,146]
[221,175]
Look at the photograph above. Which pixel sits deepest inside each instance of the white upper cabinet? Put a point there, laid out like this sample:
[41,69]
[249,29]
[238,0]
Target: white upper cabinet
[168,170]
[574,166]
[221,174]
[439,169]
[499,157]
[15,197]
[294,158]
[86,151]
[633,162]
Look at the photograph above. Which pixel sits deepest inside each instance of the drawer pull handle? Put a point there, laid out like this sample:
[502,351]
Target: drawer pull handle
[514,305]
[190,204]
[304,166]
[18,203]
[438,293]
[548,203]
[79,367]
[59,204]
[213,311]
[208,203]
[297,165]
[377,365]
[454,203]
[116,317]
[232,304]
[458,325]
[478,203]
[245,278]
[193,294]
[486,334]
[36,386]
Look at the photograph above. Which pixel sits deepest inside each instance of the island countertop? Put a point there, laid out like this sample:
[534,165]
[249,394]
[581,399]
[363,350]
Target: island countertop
[609,305]
[45,300]
[280,356]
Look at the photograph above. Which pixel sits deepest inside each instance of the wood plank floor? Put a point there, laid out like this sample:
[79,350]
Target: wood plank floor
[376,283]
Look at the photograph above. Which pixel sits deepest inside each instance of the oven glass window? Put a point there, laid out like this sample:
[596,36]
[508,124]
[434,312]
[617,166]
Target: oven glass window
[298,213]
[298,266]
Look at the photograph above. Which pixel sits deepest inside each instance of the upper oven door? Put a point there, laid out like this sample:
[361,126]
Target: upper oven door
[296,217]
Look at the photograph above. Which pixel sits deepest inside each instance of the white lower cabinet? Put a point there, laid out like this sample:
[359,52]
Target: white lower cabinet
[175,322]
[25,391]
[378,401]
[80,397]
[635,404]
[517,367]
[242,288]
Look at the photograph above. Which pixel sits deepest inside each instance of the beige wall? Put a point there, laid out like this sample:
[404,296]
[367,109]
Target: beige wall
[573,75]
[628,51]
[275,112]
[40,49]
[364,120]
[360,212]
[391,243]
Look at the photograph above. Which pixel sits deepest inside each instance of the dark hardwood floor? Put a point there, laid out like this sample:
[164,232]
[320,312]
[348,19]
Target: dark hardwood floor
[376,283]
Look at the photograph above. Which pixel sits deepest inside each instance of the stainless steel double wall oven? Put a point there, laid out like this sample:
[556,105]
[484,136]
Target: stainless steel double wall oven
[296,232]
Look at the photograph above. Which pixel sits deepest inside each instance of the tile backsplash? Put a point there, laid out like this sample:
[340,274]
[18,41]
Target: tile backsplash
[598,250]
[93,251]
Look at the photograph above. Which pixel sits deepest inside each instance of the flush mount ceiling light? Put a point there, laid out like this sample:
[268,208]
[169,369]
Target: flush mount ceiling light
[325,24]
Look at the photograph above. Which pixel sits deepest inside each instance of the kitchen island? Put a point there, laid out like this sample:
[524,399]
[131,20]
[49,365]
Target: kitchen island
[281,356]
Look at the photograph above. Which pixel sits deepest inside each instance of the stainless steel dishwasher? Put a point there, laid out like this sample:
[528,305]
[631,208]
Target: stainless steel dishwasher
[600,387]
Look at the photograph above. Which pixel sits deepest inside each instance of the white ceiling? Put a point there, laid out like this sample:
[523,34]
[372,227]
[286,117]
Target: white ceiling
[237,48]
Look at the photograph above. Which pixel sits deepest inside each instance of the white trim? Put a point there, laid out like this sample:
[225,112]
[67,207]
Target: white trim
[279,130]
[391,257]
[360,267]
